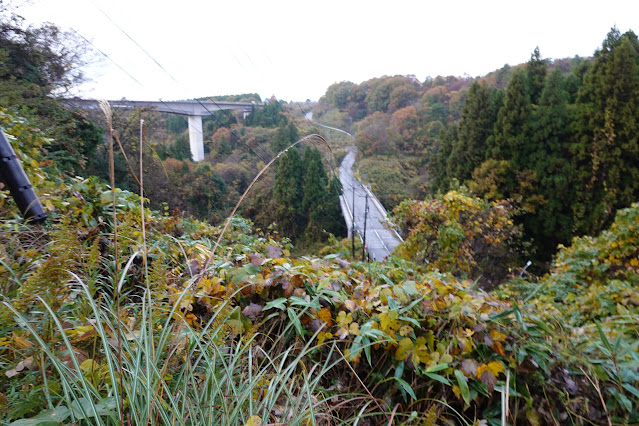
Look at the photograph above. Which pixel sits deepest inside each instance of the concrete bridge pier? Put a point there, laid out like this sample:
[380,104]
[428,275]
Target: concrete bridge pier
[196,138]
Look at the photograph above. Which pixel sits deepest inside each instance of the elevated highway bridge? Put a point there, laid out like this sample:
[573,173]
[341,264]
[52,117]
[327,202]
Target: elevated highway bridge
[194,110]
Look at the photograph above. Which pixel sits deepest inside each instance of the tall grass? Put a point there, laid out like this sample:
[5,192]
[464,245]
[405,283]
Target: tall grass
[173,373]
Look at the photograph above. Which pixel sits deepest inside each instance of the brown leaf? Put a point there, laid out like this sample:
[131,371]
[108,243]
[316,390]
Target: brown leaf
[288,288]
[316,325]
[26,363]
[297,280]
[257,259]
[274,251]
[479,327]
[469,367]
[343,263]
[252,310]
[498,348]
[299,292]
[489,380]
[350,305]
[193,268]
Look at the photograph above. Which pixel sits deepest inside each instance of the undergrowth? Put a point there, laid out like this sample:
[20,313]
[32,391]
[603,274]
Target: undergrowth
[174,329]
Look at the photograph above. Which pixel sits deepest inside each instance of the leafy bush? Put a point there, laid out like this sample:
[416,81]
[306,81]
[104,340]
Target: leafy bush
[465,236]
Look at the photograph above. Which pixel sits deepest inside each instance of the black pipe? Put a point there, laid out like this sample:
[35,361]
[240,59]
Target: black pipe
[13,175]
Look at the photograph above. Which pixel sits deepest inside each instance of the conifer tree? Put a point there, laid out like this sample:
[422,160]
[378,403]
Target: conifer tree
[607,154]
[536,70]
[478,119]
[442,176]
[512,129]
[315,193]
[281,140]
[552,222]
[288,193]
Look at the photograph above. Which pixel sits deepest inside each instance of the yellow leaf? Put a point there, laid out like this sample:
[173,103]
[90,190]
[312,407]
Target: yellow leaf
[405,330]
[324,314]
[21,342]
[457,391]
[497,336]
[446,359]
[495,367]
[354,329]
[254,421]
[322,336]
[404,347]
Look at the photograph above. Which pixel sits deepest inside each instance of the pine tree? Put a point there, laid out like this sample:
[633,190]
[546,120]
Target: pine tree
[512,129]
[552,223]
[536,70]
[478,119]
[281,140]
[292,132]
[288,193]
[442,176]
[316,196]
[607,154]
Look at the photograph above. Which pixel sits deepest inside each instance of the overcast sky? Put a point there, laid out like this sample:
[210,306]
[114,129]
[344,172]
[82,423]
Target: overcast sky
[295,49]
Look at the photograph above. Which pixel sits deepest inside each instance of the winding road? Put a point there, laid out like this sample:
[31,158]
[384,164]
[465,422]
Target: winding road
[380,239]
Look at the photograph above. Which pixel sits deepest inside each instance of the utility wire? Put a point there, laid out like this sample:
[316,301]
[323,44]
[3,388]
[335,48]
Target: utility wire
[174,79]
[109,58]
[197,100]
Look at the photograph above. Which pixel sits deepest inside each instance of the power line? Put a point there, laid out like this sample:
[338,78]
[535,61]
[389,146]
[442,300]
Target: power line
[197,100]
[109,58]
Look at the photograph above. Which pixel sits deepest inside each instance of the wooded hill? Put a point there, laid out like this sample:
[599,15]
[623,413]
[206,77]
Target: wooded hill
[117,314]
[559,139]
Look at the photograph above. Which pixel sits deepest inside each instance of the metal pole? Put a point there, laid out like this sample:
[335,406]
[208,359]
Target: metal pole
[13,175]
[353,222]
[365,220]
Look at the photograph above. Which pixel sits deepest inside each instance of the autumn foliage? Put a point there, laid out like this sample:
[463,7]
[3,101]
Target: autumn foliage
[464,235]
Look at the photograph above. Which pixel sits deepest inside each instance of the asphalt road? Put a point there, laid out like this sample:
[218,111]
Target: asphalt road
[380,241]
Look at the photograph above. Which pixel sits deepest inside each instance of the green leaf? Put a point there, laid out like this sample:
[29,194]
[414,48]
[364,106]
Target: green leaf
[604,339]
[399,370]
[410,287]
[277,303]
[296,321]
[463,386]
[439,378]
[438,367]
[298,301]
[403,385]
[53,417]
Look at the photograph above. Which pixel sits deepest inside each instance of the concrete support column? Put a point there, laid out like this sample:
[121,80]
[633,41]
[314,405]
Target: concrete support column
[196,138]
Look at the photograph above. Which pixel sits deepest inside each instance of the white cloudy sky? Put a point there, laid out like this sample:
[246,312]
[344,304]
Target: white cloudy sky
[295,49]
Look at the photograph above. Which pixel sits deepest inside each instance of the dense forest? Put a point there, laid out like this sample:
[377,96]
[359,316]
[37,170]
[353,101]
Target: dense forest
[144,302]
[556,138]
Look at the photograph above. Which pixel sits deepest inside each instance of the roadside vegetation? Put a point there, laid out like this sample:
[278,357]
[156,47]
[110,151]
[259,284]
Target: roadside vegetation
[119,310]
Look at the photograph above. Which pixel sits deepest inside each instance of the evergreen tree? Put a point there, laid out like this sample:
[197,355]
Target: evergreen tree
[478,119]
[607,153]
[442,176]
[316,197]
[552,223]
[512,129]
[281,140]
[292,132]
[536,70]
[288,193]
[334,220]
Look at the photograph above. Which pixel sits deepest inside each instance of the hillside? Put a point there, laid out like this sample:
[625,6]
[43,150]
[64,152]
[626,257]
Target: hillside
[246,328]
[121,310]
